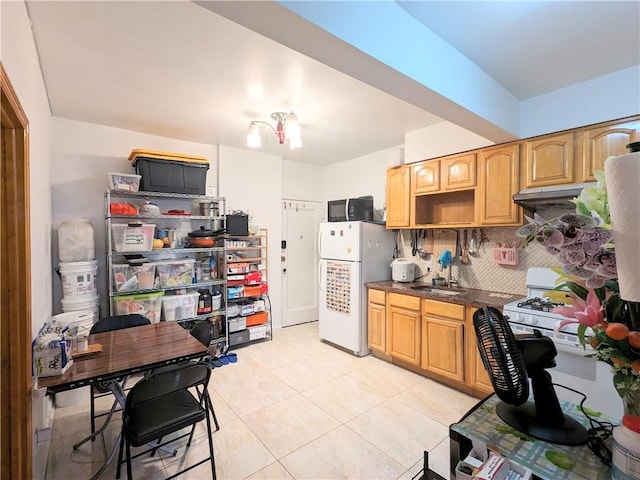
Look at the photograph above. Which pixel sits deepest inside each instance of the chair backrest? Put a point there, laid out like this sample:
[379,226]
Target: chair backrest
[182,377]
[203,332]
[119,322]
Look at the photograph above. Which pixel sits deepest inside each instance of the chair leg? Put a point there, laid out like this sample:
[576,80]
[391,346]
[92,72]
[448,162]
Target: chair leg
[93,412]
[128,447]
[211,456]
[193,429]
[215,419]
[158,442]
[122,440]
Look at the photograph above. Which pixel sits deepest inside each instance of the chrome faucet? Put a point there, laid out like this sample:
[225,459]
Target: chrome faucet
[450,280]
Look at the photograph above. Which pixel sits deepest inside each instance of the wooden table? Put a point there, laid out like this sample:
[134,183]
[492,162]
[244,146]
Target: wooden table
[125,352]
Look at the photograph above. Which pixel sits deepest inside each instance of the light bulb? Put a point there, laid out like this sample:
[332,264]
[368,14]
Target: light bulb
[253,137]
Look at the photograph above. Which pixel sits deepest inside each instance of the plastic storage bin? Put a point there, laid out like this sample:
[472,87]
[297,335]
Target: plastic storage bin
[170,172]
[237,324]
[127,277]
[148,304]
[124,181]
[132,237]
[257,319]
[180,307]
[256,333]
[173,273]
[75,241]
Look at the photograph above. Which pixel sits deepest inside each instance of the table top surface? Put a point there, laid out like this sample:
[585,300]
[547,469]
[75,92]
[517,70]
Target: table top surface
[128,351]
[484,425]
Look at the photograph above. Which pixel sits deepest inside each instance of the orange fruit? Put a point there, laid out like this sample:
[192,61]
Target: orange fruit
[617,361]
[634,339]
[617,331]
[635,365]
[157,243]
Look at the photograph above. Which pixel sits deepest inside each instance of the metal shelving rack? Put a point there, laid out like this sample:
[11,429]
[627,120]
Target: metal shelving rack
[170,199]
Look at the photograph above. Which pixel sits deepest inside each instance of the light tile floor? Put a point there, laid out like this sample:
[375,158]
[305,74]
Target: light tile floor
[293,407]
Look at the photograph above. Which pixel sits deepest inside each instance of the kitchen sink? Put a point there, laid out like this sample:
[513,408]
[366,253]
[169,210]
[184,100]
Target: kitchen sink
[437,291]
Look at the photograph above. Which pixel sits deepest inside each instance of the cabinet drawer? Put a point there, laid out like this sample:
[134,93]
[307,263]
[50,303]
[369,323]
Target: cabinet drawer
[404,301]
[377,296]
[443,309]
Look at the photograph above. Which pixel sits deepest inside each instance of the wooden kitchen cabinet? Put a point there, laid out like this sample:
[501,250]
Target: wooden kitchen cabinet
[602,141]
[549,160]
[499,181]
[404,328]
[476,376]
[425,177]
[458,172]
[377,321]
[442,349]
[398,197]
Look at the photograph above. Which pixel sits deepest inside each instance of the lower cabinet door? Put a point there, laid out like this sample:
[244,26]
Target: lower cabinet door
[404,335]
[377,327]
[442,347]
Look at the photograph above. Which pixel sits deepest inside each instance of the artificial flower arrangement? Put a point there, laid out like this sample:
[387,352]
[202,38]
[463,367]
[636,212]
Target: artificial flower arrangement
[583,243]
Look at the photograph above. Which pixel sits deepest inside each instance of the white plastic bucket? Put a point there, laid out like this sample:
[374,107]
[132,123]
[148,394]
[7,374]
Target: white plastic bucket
[75,241]
[79,279]
[82,304]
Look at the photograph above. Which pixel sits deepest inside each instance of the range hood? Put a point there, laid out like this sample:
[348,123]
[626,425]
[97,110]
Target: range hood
[557,196]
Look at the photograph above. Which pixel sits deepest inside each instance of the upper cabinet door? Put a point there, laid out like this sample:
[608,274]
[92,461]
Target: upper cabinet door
[425,177]
[499,179]
[549,161]
[459,172]
[398,199]
[599,143]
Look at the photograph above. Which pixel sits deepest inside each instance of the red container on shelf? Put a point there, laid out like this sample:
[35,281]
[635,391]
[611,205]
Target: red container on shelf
[234,280]
[253,278]
[264,289]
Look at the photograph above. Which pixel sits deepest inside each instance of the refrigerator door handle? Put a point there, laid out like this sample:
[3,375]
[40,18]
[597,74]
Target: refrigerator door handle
[346,210]
[320,275]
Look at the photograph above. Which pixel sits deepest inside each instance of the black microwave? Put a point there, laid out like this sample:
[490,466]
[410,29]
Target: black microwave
[351,209]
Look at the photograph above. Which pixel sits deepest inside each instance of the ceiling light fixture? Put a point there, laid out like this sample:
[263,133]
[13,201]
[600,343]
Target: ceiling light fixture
[287,129]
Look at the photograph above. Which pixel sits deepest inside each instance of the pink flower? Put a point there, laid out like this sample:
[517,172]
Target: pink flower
[587,312]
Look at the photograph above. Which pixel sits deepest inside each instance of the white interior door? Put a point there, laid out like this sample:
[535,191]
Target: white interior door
[299,260]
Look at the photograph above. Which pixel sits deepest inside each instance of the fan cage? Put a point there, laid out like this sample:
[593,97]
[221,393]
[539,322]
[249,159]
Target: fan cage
[501,356]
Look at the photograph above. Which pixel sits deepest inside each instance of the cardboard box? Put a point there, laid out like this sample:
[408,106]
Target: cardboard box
[493,468]
[466,467]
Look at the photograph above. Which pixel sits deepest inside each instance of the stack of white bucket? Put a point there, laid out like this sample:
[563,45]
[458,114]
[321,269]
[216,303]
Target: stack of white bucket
[78,267]
[78,271]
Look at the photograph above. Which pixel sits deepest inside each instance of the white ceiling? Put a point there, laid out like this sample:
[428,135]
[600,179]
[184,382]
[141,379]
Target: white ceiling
[179,70]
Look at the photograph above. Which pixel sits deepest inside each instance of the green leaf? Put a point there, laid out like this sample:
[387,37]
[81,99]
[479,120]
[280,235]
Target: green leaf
[588,411]
[560,459]
[582,329]
[579,290]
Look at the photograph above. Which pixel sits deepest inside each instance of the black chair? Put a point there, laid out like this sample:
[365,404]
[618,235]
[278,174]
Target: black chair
[110,324]
[160,405]
[204,332]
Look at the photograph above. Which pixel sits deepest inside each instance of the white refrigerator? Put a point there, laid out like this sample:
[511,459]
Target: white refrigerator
[351,254]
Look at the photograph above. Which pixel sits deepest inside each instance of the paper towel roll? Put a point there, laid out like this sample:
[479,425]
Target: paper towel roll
[622,176]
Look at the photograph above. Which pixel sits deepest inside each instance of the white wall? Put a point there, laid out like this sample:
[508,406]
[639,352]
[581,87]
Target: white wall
[611,96]
[300,181]
[82,154]
[360,176]
[20,60]
[252,182]
[440,139]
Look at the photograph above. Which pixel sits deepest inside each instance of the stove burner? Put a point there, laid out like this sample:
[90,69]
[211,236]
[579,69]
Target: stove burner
[538,304]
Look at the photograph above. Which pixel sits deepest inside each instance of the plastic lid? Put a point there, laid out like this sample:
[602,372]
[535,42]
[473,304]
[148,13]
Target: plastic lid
[632,422]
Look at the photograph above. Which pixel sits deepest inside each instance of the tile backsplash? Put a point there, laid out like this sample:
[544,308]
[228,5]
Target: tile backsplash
[482,272]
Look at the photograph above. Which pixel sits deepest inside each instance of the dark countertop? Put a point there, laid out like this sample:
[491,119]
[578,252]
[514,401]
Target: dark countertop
[468,296]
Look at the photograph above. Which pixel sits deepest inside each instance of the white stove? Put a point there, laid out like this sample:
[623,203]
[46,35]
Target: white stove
[574,369]
[534,312]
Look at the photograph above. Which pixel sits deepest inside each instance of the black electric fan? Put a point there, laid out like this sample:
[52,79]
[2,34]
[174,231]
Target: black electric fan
[509,360]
